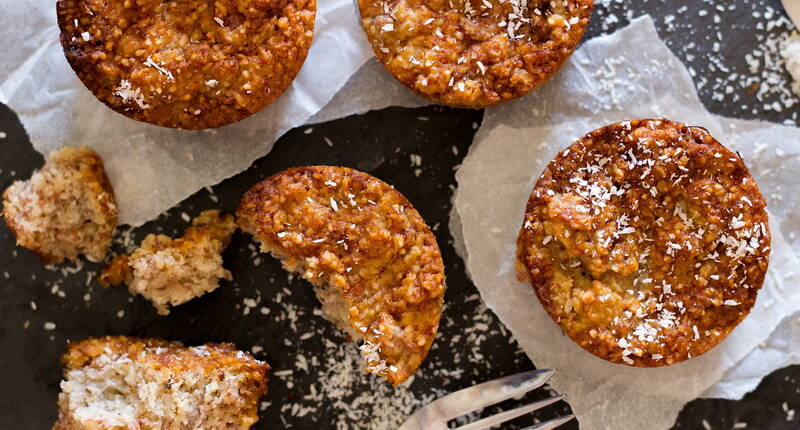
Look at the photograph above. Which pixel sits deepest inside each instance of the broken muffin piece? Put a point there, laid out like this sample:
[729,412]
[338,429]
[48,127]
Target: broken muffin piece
[117,382]
[170,272]
[65,209]
[375,265]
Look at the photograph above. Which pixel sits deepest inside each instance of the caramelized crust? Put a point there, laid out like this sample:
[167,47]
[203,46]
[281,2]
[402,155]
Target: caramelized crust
[189,64]
[117,382]
[376,265]
[473,53]
[646,241]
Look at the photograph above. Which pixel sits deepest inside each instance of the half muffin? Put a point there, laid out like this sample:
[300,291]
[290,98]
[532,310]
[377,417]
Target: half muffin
[375,265]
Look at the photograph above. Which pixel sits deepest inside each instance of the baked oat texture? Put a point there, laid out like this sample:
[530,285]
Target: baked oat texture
[189,64]
[65,209]
[117,382]
[646,241]
[375,265]
[170,272]
[474,53]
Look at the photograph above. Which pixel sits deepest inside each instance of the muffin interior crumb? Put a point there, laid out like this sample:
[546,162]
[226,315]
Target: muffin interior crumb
[170,272]
[65,209]
[118,382]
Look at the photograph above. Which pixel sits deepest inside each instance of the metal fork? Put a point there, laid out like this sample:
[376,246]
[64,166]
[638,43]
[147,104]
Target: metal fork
[435,415]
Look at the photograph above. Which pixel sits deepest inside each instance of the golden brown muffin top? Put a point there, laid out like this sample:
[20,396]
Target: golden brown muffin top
[173,356]
[189,64]
[646,241]
[355,234]
[473,53]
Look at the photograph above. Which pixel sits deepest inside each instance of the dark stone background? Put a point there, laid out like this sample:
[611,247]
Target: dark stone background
[381,143]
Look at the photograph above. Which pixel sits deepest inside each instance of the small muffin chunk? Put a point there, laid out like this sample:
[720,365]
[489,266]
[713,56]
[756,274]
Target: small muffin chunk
[474,53]
[189,64]
[170,272]
[374,263]
[65,209]
[647,241]
[118,382]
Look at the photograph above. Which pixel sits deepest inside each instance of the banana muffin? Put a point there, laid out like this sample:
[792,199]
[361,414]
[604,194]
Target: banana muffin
[473,53]
[375,265]
[646,241]
[65,209]
[170,272]
[117,382]
[190,64]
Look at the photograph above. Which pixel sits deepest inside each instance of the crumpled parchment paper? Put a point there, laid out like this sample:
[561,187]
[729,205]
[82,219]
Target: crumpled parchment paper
[627,75]
[153,168]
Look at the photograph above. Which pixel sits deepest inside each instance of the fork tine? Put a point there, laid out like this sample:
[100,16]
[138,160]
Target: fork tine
[488,393]
[550,425]
[508,415]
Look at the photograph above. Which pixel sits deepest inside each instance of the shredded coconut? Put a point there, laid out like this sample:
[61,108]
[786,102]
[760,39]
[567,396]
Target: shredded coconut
[126,91]
[790,50]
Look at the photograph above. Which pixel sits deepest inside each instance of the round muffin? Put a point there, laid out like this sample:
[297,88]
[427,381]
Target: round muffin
[473,53]
[188,64]
[646,241]
[375,265]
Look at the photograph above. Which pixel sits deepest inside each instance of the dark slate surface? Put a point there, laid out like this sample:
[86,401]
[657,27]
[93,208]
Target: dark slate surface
[472,346]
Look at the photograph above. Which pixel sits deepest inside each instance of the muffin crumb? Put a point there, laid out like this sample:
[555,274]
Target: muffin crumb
[119,382]
[170,272]
[65,209]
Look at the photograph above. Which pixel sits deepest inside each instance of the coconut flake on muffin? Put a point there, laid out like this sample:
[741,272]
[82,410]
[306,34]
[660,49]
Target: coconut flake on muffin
[374,264]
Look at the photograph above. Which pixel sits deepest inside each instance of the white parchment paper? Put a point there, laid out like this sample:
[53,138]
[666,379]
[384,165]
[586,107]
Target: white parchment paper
[153,168]
[630,74]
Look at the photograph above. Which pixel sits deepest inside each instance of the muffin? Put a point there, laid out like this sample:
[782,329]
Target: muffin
[646,241]
[170,272]
[65,209]
[117,382]
[473,53]
[189,64]
[374,264]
